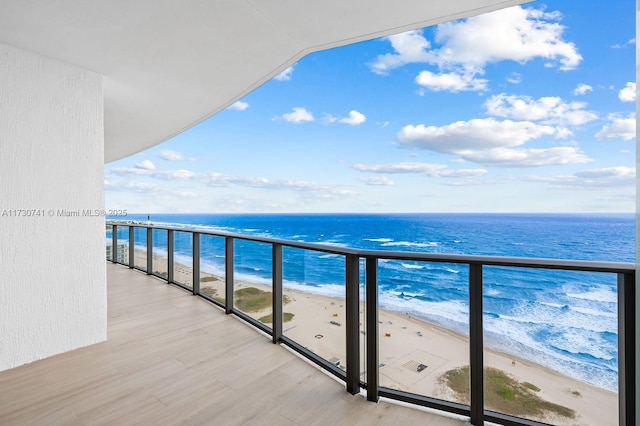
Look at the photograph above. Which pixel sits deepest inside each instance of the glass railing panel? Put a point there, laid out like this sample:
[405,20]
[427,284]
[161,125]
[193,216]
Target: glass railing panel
[551,344]
[109,241]
[140,248]
[183,258]
[160,254]
[123,245]
[423,327]
[252,280]
[314,302]
[212,267]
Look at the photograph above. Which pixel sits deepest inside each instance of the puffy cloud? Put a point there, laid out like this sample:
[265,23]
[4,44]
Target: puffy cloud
[452,82]
[467,46]
[378,181]
[239,106]
[355,118]
[429,169]
[476,134]
[628,93]
[619,128]
[298,115]
[514,33]
[548,109]
[146,165]
[169,155]
[285,75]
[409,47]
[582,89]
[509,157]
[491,142]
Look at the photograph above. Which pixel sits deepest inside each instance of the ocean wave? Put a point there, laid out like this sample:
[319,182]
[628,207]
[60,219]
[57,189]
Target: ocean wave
[410,244]
[412,266]
[565,317]
[598,294]
[379,240]
[328,256]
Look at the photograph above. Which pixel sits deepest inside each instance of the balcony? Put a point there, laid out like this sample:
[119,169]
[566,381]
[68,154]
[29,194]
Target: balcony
[356,346]
[174,359]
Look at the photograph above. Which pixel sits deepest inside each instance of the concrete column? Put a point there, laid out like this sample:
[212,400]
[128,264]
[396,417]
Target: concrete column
[52,245]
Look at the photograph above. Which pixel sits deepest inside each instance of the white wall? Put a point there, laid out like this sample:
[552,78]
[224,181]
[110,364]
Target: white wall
[52,268]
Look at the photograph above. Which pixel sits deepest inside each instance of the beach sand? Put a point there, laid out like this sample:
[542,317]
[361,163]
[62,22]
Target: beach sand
[407,342]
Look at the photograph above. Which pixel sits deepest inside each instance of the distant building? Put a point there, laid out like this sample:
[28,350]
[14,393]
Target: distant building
[122,252]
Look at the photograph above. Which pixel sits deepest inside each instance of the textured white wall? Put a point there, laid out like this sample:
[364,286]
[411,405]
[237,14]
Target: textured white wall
[52,267]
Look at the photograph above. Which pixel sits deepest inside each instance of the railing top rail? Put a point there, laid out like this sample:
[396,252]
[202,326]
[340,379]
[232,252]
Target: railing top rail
[522,262]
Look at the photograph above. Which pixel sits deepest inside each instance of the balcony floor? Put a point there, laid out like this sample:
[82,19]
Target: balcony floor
[172,358]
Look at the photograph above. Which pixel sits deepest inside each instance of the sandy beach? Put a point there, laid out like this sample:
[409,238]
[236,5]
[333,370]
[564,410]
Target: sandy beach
[413,354]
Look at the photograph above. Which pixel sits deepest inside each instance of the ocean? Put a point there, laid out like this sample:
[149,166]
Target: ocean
[566,321]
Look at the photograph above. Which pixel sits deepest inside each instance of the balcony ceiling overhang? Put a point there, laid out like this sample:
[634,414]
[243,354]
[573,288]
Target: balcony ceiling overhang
[168,65]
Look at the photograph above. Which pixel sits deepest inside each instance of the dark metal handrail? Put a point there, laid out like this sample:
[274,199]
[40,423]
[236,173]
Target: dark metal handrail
[626,312]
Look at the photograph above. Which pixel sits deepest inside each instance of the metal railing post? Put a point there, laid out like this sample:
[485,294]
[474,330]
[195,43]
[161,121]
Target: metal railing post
[170,243]
[476,345]
[149,251]
[372,328]
[196,263]
[626,349]
[132,254]
[352,281]
[114,243]
[228,274]
[276,292]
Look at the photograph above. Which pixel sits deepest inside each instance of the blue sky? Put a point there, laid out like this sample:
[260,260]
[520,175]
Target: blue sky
[528,109]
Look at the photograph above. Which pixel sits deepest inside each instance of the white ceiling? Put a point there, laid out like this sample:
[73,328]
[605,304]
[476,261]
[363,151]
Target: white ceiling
[169,64]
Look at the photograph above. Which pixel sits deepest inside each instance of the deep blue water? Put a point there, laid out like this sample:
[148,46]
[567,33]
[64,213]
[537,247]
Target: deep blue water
[564,320]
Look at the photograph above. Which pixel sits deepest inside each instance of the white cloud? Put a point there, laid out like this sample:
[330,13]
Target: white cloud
[158,174]
[516,34]
[476,134]
[619,128]
[169,155]
[428,169]
[146,165]
[285,75]
[582,89]
[303,188]
[628,93]
[609,177]
[548,109]
[621,46]
[239,106]
[147,188]
[508,157]
[515,78]
[452,82]
[378,181]
[491,142]
[409,47]
[467,46]
[355,118]
[298,115]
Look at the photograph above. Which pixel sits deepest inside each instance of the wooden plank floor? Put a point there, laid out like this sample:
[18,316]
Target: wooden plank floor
[172,358]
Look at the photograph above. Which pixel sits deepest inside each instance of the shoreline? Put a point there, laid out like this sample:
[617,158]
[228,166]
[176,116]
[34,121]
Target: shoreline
[407,342]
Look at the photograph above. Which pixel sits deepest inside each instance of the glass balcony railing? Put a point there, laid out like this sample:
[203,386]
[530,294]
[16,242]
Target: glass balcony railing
[445,348]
